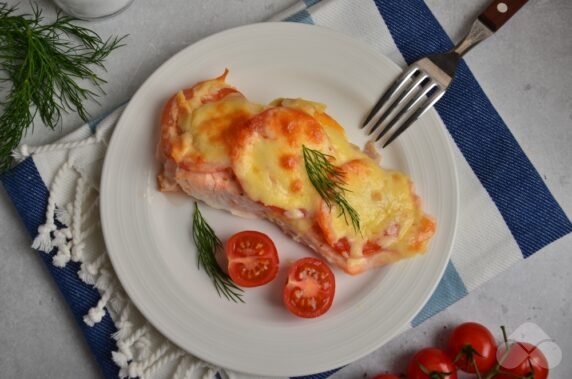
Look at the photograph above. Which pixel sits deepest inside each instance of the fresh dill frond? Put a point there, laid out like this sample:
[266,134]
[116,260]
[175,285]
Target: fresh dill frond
[46,69]
[207,245]
[329,181]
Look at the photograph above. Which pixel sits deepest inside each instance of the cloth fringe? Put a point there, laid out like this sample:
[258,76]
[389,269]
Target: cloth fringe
[64,233]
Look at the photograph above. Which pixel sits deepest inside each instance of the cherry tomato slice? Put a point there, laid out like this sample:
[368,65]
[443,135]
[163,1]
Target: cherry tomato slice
[310,288]
[431,363]
[470,341]
[522,360]
[252,258]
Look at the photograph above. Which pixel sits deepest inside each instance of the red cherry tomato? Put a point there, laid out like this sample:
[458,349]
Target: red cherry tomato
[386,376]
[472,341]
[431,363]
[252,258]
[522,360]
[310,288]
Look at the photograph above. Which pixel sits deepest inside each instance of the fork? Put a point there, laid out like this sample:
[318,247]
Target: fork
[425,81]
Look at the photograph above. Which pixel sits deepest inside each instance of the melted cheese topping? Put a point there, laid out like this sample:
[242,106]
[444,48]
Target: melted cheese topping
[206,122]
[207,129]
[311,108]
[343,150]
[390,216]
[387,207]
[203,91]
[268,159]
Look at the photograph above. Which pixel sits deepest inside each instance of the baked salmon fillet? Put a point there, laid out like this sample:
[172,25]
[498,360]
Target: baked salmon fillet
[247,158]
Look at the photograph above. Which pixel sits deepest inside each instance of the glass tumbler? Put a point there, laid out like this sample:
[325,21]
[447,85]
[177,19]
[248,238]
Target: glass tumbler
[92,9]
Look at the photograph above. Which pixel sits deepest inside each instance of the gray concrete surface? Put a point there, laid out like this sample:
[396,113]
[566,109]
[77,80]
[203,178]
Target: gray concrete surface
[525,68]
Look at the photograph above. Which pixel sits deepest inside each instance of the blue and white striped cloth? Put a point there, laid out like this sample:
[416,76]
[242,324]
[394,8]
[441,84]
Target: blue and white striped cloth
[507,213]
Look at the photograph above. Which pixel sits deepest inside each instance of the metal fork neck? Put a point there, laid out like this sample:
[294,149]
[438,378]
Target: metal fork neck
[478,33]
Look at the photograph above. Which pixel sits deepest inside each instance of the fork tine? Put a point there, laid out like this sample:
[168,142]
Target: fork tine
[418,113]
[399,100]
[395,86]
[424,90]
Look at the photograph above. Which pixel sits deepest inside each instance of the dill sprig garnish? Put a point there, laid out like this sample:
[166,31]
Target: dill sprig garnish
[207,245]
[48,70]
[329,181]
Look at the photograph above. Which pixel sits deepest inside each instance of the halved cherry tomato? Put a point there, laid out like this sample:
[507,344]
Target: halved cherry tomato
[470,341]
[523,361]
[252,258]
[310,288]
[431,363]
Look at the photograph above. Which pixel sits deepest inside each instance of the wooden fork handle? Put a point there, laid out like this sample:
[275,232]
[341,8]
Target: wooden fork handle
[499,12]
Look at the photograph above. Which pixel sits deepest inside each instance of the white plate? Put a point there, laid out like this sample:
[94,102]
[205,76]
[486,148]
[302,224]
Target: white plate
[148,234]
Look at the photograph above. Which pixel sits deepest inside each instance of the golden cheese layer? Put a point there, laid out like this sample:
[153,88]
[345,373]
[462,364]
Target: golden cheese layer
[206,115]
[206,130]
[343,150]
[267,158]
[389,211]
